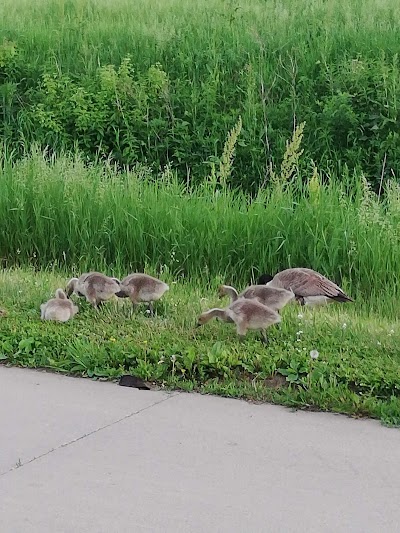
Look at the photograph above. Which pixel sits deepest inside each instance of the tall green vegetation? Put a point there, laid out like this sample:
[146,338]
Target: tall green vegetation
[62,212]
[161,81]
[115,156]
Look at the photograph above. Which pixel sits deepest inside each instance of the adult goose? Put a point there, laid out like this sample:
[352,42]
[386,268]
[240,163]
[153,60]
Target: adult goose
[309,287]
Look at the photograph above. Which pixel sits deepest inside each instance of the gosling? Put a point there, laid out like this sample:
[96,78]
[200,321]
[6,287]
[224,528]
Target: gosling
[142,288]
[272,297]
[310,287]
[94,286]
[246,314]
[59,308]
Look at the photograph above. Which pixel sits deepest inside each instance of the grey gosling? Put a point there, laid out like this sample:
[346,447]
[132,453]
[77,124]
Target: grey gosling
[272,297]
[58,308]
[94,286]
[310,287]
[142,288]
[246,314]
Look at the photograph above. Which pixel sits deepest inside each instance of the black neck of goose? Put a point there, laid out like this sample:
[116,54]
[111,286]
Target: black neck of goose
[264,278]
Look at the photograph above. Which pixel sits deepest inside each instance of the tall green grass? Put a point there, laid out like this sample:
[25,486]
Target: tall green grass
[66,214]
[80,34]
[333,64]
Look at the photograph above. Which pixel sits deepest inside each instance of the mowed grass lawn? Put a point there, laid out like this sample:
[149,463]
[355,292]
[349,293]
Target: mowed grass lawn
[356,372]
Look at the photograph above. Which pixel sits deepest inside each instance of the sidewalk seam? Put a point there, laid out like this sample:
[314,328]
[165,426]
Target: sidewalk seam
[94,431]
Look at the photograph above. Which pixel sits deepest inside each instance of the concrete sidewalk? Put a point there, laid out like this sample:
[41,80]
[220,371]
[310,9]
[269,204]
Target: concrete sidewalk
[81,456]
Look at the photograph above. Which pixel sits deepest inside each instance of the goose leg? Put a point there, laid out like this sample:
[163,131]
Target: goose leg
[92,302]
[301,300]
[91,297]
[264,338]
[241,330]
[150,308]
[134,305]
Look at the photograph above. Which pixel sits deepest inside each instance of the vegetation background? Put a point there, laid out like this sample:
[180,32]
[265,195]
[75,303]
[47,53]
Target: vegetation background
[205,142]
[162,81]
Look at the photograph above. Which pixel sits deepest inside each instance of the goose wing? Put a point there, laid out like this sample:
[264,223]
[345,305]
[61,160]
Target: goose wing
[306,282]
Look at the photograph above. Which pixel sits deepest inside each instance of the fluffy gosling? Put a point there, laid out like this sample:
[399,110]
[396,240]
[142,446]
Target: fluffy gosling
[94,286]
[272,297]
[142,288]
[59,308]
[246,314]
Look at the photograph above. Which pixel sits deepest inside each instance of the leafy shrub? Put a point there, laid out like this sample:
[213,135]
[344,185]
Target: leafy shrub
[90,77]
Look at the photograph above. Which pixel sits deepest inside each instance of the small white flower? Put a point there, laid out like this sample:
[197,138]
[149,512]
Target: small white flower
[148,311]
[344,325]
[173,358]
[300,316]
[391,332]
[299,333]
[378,343]
[314,354]
[160,362]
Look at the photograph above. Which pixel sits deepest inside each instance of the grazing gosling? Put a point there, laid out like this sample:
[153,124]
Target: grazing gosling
[246,314]
[310,287]
[58,308]
[272,297]
[94,286]
[142,288]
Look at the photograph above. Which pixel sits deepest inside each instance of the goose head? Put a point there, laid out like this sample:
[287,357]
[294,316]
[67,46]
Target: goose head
[71,286]
[264,279]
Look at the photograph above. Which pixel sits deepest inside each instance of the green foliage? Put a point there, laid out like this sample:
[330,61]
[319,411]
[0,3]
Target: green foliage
[62,212]
[163,82]
[356,372]
[111,115]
